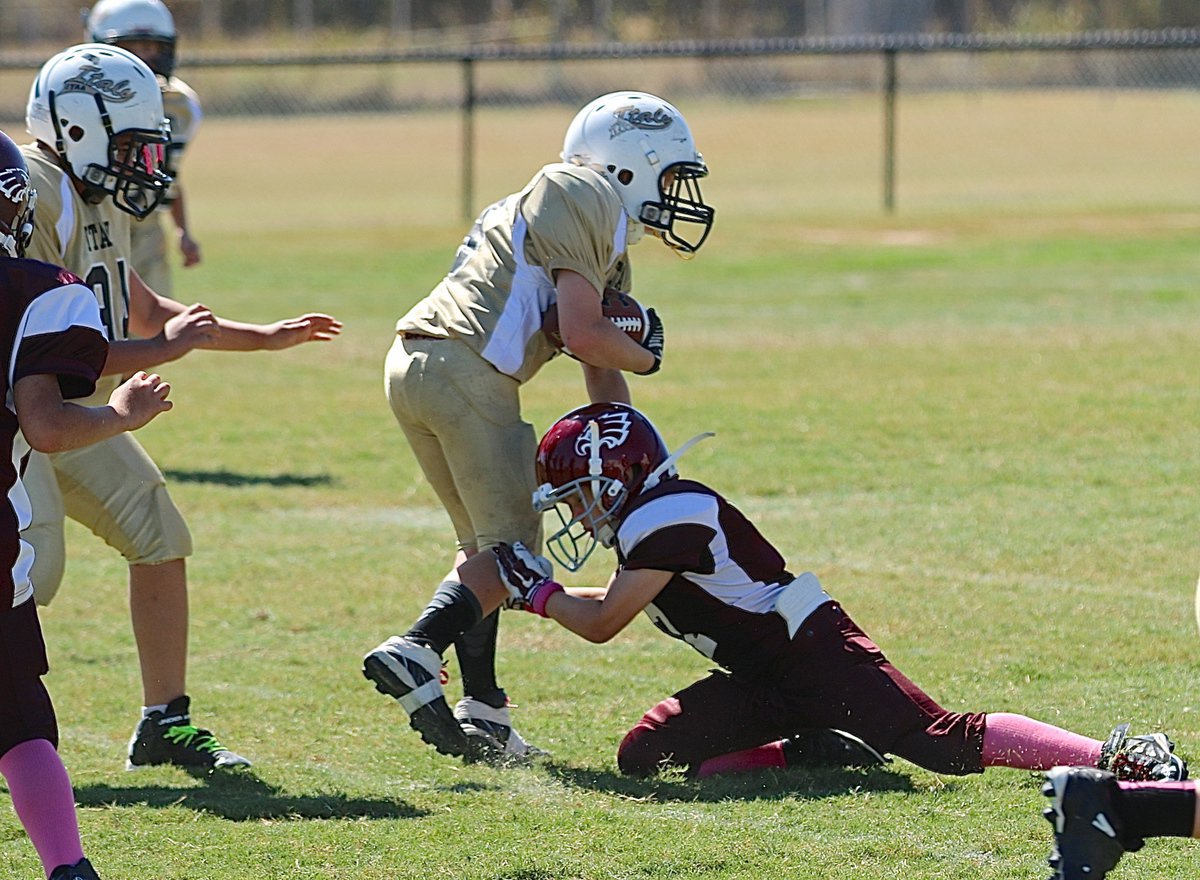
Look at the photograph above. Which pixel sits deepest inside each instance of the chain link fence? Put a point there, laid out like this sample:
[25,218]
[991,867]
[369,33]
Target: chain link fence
[892,67]
[387,82]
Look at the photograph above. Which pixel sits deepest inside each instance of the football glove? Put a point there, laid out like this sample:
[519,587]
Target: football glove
[654,341]
[526,576]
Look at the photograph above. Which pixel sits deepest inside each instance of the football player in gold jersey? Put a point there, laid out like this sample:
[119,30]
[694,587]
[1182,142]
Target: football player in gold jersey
[460,356]
[147,29]
[95,112]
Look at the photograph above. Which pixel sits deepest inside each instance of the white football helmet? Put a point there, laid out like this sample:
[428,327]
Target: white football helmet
[117,21]
[100,110]
[643,147]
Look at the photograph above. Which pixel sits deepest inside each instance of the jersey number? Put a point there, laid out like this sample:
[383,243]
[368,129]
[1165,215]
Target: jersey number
[99,279]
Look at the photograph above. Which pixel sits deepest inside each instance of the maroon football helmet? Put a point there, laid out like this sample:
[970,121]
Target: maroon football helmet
[17,200]
[594,460]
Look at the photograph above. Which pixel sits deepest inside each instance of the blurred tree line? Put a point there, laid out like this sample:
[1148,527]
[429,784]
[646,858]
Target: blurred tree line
[209,22]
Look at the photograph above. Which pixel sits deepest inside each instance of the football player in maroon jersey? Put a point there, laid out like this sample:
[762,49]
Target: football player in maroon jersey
[790,656]
[53,341]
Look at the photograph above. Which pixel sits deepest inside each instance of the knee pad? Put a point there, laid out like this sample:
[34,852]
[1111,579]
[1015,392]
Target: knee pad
[157,533]
[49,560]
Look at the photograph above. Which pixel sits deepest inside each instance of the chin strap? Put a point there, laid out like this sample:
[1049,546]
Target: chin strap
[668,465]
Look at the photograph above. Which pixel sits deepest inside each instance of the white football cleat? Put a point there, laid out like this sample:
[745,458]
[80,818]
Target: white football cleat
[492,731]
[411,673]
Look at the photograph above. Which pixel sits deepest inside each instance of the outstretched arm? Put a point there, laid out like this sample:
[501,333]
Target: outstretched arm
[51,424]
[597,619]
[169,330]
[313,327]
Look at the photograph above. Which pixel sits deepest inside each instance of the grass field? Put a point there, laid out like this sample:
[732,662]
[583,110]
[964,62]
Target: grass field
[976,421]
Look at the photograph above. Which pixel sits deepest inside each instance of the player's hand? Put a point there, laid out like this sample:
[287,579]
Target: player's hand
[655,339]
[194,327]
[526,576]
[140,398]
[306,328]
[189,248]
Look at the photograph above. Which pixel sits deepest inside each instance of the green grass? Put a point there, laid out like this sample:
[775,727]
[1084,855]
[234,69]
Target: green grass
[977,422]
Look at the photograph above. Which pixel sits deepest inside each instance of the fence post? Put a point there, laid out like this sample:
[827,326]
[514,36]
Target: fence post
[468,145]
[889,131]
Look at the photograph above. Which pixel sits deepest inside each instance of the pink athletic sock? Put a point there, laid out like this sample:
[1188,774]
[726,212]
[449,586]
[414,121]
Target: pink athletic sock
[1016,741]
[770,755]
[44,801]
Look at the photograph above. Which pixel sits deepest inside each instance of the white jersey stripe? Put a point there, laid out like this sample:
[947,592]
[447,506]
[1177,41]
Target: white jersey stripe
[729,583]
[530,295]
[73,305]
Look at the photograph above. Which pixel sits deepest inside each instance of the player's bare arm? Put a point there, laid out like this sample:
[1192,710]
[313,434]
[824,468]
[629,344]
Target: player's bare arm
[598,620]
[189,248]
[597,617]
[605,385]
[167,330]
[51,424]
[172,329]
[589,335]
[313,327]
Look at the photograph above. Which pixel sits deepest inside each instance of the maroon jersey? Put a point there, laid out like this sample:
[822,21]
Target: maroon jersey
[49,323]
[728,582]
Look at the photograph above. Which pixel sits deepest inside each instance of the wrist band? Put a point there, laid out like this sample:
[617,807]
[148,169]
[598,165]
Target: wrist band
[541,595]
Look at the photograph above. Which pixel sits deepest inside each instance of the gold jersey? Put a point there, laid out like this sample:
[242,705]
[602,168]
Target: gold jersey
[90,240]
[502,278]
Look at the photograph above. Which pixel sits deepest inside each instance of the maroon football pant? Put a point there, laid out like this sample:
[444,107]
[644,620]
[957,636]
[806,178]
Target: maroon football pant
[25,709]
[832,676]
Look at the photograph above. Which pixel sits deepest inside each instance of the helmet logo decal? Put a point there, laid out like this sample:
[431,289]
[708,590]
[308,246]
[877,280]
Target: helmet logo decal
[612,431]
[92,81]
[14,184]
[630,118]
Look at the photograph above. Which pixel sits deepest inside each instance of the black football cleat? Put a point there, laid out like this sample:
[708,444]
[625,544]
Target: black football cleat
[1089,836]
[81,870]
[1149,757]
[826,747]
[170,738]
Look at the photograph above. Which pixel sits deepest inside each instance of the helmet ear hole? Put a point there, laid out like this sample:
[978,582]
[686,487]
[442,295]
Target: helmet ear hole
[625,176]
[75,133]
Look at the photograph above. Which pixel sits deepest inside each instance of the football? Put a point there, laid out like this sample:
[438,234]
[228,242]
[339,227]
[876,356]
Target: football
[621,308]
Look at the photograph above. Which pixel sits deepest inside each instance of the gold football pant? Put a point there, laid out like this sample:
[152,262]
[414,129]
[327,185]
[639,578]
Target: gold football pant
[463,421]
[116,490]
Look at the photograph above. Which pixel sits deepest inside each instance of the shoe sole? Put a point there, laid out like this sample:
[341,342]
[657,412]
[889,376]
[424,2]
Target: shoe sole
[228,767]
[487,749]
[434,721]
